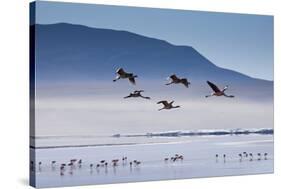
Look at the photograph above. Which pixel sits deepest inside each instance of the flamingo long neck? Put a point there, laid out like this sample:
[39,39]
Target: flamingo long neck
[224,89]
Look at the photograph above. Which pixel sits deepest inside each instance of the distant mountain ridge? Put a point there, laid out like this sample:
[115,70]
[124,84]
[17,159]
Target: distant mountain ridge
[75,52]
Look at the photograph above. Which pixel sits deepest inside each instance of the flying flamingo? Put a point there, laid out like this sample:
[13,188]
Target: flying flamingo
[137,94]
[167,105]
[121,74]
[217,91]
[174,79]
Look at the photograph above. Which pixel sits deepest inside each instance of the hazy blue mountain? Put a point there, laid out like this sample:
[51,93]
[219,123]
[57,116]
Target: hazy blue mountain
[74,52]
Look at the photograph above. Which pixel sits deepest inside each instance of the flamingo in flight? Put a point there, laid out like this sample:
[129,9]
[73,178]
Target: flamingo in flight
[174,79]
[167,105]
[217,91]
[137,94]
[121,74]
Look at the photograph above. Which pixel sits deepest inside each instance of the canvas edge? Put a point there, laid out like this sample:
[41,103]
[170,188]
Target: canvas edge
[32,155]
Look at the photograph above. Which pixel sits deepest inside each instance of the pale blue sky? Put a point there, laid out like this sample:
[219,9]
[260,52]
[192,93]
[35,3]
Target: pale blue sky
[236,41]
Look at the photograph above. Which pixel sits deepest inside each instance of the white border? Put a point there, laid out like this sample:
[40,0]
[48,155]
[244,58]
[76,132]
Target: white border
[14,92]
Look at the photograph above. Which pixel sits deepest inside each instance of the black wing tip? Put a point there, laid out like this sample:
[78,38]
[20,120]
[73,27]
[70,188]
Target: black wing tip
[133,81]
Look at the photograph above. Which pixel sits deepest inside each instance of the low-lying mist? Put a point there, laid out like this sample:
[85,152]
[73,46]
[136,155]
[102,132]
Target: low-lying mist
[99,109]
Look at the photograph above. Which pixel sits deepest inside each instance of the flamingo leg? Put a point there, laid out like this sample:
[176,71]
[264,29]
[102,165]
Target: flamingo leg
[229,96]
[225,88]
[169,83]
[145,97]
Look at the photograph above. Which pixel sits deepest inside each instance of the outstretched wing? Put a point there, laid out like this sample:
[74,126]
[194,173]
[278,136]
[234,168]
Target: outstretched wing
[185,82]
[120,71]
[214,87]
[132,80]
[174,77]
[164,102]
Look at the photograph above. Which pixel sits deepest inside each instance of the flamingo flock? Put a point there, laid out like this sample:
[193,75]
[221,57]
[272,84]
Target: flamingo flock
[73,164]
[246,156]
[104,165]
[174,79]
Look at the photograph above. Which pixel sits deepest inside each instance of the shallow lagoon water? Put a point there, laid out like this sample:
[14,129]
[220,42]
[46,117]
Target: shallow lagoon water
[199,160]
